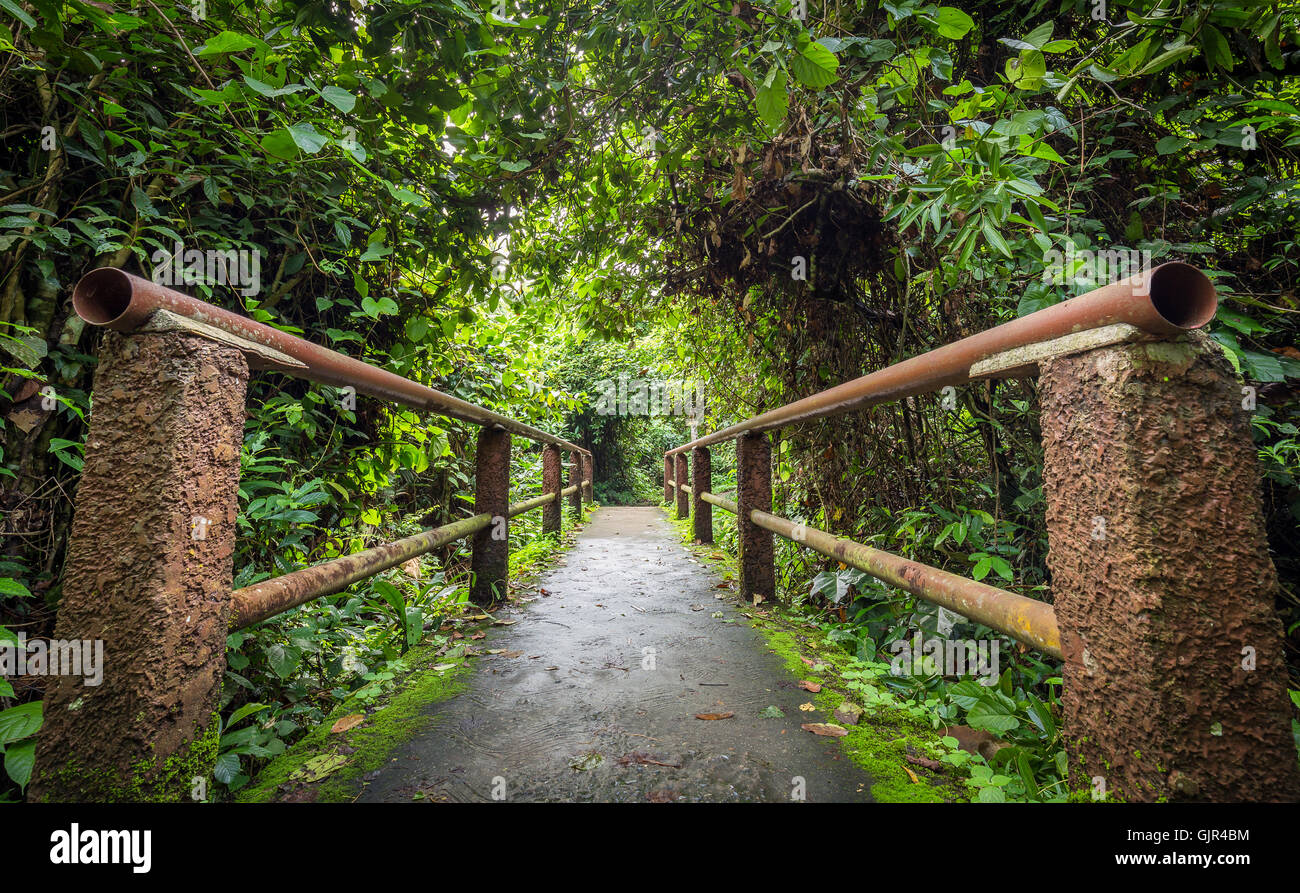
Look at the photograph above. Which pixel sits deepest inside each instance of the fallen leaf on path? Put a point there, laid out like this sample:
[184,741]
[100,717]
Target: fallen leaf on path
[848,713]
[772,712]
[807,708]
[911,775]
[479,636]
[714,715]
[826,729]
[586,762]
[318,767]
[351,721]
[504,622]
[813,687]
[922,761]
[665,795]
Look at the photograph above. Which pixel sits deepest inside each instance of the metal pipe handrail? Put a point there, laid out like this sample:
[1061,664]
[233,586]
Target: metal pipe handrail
[1167,300]
[1023,619]
[264,600]
[117,300]
[720,502]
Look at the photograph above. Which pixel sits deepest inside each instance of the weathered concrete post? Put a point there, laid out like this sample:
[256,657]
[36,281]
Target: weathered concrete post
[1175,686]
[575,479]
[490,557]
[589,475]
[551,484]
[668,479]
[683,477]
[701,511]
[754,491]
[148,575]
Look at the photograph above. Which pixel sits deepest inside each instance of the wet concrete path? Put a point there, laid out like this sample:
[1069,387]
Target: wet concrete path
[614,665]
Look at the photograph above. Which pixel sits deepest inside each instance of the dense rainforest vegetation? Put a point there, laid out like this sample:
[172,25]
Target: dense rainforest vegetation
[515,201]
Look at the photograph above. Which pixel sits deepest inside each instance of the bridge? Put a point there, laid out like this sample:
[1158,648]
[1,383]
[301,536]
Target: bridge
[1161,605]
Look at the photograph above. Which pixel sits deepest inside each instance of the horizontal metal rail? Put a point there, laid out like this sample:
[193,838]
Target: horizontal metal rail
[720,502]
[1166,300]
[1023,619]
[264,600]
[125,303]
[528,505]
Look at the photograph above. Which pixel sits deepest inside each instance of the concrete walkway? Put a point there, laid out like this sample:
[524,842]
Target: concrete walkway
[617,654]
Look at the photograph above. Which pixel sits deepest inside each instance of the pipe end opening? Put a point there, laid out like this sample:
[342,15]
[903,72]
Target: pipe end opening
[102,296]
[1183,295]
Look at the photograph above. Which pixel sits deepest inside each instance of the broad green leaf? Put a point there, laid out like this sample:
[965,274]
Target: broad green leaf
[773,99]
[953,23]
[227,42]
[9,586]
[815,66]
[20,722]
[19,760]
[18,12]
[280,143]
[306,137]
[339,98]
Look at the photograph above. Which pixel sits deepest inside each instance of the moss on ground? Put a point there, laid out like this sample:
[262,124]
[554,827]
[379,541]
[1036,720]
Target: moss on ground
[886,735]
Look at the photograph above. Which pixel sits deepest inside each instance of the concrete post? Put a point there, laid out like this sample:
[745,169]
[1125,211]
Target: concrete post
[683,477]
[589,474]
[575,478]
[490,557]
[148,575]
[551,483]
[668,479]
[701,511]
[754,491]
[1175,686]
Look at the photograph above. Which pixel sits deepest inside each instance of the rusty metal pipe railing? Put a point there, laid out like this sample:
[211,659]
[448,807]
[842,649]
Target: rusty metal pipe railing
[720,502]
[117,300]
[264,600]
[528,505]
[256,603]
[1023,619]
[1166,300]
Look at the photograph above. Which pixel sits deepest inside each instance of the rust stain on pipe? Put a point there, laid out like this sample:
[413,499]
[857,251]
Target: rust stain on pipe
[1165,300]
[120,301]
[1023,619]
[256,603]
